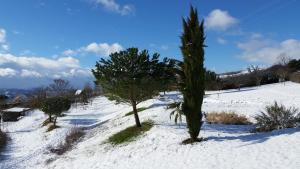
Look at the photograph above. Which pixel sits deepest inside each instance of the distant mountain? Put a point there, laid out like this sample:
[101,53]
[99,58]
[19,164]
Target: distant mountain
[11,93]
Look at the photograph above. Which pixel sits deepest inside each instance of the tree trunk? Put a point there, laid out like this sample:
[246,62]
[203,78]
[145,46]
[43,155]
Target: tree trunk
[136,116]
[54,121]
[50,118]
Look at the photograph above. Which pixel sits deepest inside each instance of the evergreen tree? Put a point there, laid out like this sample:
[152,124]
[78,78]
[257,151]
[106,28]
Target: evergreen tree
[131,75]
[167,73]
[193,76]
[54,107]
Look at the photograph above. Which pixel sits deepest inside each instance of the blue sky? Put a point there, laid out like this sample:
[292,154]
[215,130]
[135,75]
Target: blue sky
[45,39]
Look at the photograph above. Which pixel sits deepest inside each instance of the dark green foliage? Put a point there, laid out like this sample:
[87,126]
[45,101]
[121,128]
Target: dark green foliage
[167,73]
[130,133]
[54,107]
[131,75]
[138,110]
[294,65]
[177,111]
[193,76]
[277,117]
[113,97]
[212,81]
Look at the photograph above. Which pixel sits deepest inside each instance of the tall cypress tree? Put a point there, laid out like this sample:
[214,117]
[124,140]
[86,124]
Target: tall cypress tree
[193,76]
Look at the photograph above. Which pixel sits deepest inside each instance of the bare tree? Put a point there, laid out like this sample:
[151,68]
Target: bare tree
[283,73]
[60,87]
[283,59]
[37,96]
[256,72]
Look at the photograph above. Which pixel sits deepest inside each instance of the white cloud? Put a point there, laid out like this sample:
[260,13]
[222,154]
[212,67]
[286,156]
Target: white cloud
[219,20]
[7,72]
[221,41]
[3,44]
[113,6]
[41,67]
[2,35]
[24,71]
[100,49]
[258,49]
[5,47]
[39,62]
[29,73]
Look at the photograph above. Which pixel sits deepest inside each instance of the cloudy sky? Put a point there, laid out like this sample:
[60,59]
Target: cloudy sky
[45,39]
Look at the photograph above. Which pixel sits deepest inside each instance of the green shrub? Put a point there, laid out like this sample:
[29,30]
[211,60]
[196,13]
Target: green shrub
[176,111]
[73,137]
[229,118]
[54,107]
[130,133]
[138,110]
[277,117]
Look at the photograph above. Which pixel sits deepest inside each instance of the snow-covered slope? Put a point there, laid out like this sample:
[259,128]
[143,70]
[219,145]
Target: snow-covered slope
[227,146]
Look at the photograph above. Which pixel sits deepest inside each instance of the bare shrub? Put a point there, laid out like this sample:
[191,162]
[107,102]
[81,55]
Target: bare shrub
[230,118]
[73,137]
[277,117]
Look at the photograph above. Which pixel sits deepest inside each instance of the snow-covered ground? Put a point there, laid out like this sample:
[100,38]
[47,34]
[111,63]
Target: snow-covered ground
[227,146]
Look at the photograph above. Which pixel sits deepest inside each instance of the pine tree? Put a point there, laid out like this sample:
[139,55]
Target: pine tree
[131,75]
[193,76]
[54,107]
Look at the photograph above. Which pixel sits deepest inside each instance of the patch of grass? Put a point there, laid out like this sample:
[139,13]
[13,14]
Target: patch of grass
[3,140]
[73,137]
[52,127]
[46,122]
[130,133]
[138,110]
[228,118]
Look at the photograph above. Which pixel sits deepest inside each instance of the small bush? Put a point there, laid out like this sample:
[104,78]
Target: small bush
[277,117]
[176,111]
[130,133]
[230,118]
[73,137]
[3,139]
[138,110]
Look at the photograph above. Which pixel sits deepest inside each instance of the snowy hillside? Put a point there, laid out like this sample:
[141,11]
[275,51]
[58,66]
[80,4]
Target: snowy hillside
[227,147]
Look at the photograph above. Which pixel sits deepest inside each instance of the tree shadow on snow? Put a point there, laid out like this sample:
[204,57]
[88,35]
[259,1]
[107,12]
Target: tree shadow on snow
[233,91]
[245,135]
[83,122]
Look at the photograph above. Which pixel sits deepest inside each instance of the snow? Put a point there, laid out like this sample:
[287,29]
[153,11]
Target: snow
[227,146]
[16,109]
[78,92]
